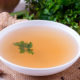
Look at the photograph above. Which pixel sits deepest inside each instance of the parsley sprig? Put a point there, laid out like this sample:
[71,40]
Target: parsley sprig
[23,47]
[63,11]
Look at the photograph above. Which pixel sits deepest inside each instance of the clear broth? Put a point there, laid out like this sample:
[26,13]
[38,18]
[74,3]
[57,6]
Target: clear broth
[52,47]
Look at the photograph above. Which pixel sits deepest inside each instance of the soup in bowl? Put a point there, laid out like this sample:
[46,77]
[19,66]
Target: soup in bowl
[39,47]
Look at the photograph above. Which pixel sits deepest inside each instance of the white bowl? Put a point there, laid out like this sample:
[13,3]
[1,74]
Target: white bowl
[41,71]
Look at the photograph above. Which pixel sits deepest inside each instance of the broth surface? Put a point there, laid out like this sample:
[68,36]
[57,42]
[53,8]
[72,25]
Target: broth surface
[51,47]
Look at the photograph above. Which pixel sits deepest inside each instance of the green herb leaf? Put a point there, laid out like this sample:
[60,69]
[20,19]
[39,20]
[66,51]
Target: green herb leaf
[22,50]
[29,45]
[23,46]
[30,51]
[17,44]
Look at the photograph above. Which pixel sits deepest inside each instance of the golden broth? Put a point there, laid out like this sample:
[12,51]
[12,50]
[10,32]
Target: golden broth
[52,47]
